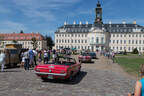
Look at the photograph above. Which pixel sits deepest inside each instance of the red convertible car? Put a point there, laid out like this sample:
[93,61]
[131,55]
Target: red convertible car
[84,57]
[63,68]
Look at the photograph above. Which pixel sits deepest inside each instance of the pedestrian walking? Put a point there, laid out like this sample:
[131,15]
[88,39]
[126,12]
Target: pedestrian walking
[2,60]
[45,56]
[26,56]
[40,57]
[22,60]
[35,54]
[113,57]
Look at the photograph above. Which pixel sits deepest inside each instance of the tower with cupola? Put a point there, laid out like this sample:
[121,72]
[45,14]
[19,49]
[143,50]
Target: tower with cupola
[98,10]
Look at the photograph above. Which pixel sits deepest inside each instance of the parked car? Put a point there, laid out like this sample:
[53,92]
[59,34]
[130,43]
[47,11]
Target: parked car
[63,68]
[84,57]
[93,55]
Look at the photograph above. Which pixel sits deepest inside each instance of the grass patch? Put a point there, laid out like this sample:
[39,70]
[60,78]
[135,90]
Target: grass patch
[130,63]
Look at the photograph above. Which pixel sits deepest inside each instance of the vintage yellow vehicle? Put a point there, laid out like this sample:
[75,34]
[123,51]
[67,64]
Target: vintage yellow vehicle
[13,52]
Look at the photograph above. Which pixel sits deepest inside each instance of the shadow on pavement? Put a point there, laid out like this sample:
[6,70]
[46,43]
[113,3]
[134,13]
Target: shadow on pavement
[92,62]
[76,79]
[10,71]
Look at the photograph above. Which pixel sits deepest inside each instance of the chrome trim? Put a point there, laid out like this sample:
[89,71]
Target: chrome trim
[44,73]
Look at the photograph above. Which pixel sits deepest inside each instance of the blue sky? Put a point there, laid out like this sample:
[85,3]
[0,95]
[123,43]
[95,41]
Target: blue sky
[45,16]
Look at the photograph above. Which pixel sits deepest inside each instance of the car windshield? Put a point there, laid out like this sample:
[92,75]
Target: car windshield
[85,54]
[92,54]
[63,61]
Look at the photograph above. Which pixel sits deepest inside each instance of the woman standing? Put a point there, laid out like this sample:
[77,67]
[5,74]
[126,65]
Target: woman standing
[139,87]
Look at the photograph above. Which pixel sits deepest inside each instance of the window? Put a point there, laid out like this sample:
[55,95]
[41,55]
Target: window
[102,40]
[75,41]
[117,35]
[124,41]
[113,35]
[71,41]
[65,41]
[97,40]
[120,48]
[113,41]
[132,41]
[82,35]
[129,35]
[136,41]
[121,35]
[129,49]
[129,41]
[68,41]
[85,41]
[117,41]
[81,41]
[121,41]
[78,41]
[139,41]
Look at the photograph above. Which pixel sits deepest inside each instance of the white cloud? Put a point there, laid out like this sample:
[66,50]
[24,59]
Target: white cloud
[10,26]
[42,8]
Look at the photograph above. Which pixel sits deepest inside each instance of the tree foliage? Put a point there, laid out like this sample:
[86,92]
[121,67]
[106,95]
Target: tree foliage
[49,41]
[135,51]
[14,41]
[34,43]
[21,31]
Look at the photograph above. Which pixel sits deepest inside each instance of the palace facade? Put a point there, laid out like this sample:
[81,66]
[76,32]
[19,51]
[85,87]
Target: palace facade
[99,36]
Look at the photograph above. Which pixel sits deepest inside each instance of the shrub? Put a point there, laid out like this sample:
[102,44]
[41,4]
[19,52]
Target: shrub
[125,53]
[135,51]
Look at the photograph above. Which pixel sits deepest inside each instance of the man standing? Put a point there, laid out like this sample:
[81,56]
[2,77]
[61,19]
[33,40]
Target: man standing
[31,57]
[2,60]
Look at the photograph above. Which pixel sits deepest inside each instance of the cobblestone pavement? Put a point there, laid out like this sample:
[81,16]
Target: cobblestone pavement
[101,78]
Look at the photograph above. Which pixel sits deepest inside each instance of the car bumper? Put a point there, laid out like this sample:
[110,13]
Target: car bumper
[45,73]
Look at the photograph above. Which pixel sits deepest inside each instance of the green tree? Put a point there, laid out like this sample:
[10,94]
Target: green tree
[21,31]
[49,41]
[14,41]
[135,51]
[34,43]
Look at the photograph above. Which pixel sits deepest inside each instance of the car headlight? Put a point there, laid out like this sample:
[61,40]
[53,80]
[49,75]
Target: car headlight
[62,72]
[38,70]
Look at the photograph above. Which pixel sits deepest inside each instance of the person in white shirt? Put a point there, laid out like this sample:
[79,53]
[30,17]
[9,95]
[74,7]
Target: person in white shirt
[2,60]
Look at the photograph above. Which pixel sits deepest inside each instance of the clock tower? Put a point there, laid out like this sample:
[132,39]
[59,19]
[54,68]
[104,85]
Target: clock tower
[98,10]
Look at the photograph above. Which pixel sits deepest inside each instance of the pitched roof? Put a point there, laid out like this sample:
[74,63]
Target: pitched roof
[20,36]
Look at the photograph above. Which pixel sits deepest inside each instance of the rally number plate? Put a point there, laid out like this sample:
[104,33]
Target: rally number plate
[50,76]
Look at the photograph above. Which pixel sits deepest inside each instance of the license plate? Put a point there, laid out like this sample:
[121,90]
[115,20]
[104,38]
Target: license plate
[50,76]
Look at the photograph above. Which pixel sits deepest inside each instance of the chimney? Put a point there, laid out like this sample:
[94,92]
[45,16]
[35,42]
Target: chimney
[110,22]
[134,22]
[124,22]
[80,23]
[74,22]
[65,23]
[86,22]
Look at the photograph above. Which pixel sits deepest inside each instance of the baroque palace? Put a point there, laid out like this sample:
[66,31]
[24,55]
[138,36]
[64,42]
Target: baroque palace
[99,36]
